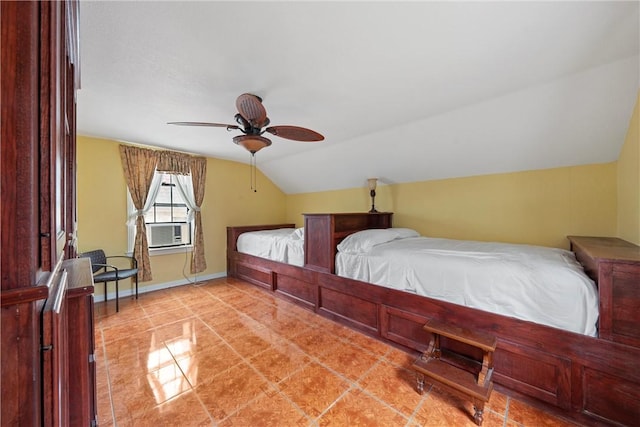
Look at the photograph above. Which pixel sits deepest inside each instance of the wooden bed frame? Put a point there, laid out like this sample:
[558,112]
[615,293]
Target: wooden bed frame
[593,380]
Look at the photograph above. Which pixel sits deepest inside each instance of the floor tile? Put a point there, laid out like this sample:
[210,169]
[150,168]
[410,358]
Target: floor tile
[184,410]
[105,413]
[278,363]
[171,327]
[136,398]
[441,408]
[173,315]
[394,385]
[315,341]
[401,358]
[161,306]
[367,343]
[498,403]
[203,368]
[526,415]
[357,408]
[349,361]
[205,305]
[231,391]
[126,330]
[133,313]
[252,342]
[313,388]
[268,410]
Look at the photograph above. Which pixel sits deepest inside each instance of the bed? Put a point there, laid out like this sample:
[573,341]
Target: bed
[279,244]
[592,379]
[543,285]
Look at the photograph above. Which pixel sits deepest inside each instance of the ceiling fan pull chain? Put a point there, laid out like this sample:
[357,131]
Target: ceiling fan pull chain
[252,165]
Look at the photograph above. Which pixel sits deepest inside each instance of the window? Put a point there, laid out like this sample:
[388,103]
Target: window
[167,218]
[169,205]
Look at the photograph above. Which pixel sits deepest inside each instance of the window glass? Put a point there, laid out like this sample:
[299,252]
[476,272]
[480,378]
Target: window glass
[166,221]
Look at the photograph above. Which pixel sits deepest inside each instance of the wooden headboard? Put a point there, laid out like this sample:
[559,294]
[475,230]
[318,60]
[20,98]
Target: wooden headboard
[323,232]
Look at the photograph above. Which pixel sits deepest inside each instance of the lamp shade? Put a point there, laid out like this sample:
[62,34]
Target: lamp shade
[372,183]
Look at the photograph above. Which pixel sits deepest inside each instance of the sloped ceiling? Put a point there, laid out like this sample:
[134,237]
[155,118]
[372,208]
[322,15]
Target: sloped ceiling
[402,91]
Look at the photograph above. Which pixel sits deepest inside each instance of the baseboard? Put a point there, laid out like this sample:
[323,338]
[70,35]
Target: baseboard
[129,289]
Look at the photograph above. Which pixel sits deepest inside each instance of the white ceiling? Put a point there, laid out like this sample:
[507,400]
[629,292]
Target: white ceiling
[402,91]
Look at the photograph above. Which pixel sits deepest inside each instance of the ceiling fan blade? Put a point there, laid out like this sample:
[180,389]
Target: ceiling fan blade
[215,125]
[251,108]
[295,133]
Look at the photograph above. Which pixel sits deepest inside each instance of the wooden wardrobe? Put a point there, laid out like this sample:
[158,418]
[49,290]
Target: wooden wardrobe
[46,294]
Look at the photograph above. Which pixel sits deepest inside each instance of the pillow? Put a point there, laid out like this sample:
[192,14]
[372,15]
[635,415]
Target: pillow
[403,233]
[363,241]
[298,234]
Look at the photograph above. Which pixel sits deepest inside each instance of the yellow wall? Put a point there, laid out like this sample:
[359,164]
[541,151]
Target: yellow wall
[102,208]
[629,182]
[535,207]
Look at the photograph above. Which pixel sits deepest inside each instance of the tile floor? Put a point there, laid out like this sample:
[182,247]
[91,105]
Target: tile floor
[226,353]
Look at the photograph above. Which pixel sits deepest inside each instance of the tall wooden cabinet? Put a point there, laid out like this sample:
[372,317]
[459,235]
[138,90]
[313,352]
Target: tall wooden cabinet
[40,76]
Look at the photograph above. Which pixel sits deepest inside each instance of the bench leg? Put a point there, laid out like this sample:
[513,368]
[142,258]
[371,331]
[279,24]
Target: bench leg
[420,382]
[477,416]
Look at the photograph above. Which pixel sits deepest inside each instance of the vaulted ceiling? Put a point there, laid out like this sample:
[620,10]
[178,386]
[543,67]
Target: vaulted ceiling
[402,91]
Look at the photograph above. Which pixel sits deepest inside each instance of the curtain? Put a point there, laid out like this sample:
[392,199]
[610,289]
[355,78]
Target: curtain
[198,178]
[139,165]
[192,190]
[174,163]
[156,183]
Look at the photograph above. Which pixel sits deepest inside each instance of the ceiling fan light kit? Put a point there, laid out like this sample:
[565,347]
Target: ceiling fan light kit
[252,119]
[252,143]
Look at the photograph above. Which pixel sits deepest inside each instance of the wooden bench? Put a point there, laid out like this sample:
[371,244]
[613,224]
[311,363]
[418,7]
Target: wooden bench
[470,378]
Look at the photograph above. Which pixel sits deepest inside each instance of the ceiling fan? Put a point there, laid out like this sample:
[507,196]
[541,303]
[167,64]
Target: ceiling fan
[252,121]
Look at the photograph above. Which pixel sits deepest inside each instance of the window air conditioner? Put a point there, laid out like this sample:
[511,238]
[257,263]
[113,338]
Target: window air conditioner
[167,234]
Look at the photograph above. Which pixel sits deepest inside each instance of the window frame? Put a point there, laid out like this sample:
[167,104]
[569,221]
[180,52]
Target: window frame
[163,250]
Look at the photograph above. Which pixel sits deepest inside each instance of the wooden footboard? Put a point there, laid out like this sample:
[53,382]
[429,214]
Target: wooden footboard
[593,380]
[614,264]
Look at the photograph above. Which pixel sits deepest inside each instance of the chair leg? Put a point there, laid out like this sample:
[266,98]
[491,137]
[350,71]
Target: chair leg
[105,292]
[136,285]
[117,306]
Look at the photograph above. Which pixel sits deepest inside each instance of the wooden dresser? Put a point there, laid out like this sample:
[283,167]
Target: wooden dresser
[615,265]
[323,232]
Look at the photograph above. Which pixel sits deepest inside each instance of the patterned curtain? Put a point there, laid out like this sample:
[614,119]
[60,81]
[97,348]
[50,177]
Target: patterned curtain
[173,162]
[139,165]
[198,177]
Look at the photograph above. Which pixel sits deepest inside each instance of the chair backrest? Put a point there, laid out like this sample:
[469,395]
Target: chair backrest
[97,257]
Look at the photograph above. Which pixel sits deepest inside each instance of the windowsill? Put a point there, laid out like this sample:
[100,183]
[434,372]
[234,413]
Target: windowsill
[168,251]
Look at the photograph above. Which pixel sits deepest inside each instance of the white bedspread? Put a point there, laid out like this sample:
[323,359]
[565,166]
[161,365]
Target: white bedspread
[282,245]
[542,285]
